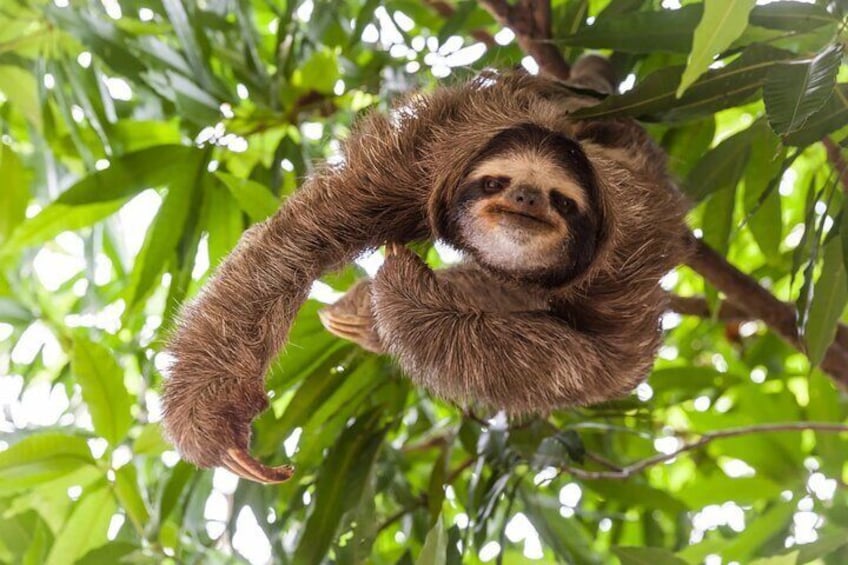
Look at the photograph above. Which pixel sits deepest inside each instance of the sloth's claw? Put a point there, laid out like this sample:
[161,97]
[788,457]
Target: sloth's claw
[239,462]
[392,249]
[332,320]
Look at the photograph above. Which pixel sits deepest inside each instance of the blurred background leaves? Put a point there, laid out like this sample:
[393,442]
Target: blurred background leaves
[140,138]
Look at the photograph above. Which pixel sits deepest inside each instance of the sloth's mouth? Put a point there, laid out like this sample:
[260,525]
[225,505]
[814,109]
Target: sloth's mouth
[523,218]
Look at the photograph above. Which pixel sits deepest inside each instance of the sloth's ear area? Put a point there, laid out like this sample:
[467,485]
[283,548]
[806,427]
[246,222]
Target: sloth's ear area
[614,132]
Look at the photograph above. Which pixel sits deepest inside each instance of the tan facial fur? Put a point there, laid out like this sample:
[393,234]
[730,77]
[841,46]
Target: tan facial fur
[511,242]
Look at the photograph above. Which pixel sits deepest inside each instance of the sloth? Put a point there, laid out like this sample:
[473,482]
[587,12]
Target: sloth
[567,227]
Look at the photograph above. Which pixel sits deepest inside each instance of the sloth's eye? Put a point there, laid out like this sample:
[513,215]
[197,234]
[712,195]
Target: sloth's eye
[564,204]
[493,184]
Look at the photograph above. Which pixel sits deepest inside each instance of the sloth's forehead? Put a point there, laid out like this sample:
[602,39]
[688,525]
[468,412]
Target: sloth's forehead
[533,168]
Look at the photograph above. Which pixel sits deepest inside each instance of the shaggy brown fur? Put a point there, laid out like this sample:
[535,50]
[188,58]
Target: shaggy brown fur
[469,336]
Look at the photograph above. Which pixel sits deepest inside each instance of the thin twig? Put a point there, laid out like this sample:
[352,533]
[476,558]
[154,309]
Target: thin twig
[639,466]
[421,499]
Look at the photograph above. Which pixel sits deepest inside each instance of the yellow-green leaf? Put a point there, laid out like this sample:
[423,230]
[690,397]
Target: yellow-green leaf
[829,299]
[21,89]
[252,197]
[723,21]
[41,458]
[103,389]
[85,529]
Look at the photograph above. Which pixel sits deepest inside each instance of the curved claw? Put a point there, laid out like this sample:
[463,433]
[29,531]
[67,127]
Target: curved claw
[239,462]
[392,249]
[334,320]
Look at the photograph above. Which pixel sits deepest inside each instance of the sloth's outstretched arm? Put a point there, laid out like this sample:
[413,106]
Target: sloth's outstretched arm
[227,336]
[501,359]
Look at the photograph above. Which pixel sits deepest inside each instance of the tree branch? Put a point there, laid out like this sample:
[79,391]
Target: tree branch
[528,19]
[730,312]
[837,161]
[639,466]
[761,304]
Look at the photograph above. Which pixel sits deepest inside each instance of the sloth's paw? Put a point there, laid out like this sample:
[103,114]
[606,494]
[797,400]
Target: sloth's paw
[213,430]
[405,267]
[402,282]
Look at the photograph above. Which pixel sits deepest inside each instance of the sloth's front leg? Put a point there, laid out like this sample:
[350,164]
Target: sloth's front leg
[522,362]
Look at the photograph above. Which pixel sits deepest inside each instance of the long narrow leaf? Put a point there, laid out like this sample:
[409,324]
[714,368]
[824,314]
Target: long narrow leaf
[795,91]
[103,389]
[722,22]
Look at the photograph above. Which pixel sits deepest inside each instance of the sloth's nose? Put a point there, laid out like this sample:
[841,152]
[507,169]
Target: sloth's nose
[527,197]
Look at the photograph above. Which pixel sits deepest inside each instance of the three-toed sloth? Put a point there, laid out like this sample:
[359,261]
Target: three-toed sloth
[567,227]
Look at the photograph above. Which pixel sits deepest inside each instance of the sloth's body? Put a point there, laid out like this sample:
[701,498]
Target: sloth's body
[568,226]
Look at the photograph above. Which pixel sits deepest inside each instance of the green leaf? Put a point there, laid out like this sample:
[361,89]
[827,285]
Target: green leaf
[569,540]
[188,38]
[41,458]
[824,546]
[647,556]
[435,548]
[723,21]
[794,91]
[791,16]
[85,529]
[790,558]
[223,222]
[720,169]
[318,73]
[757,532]
[639,32]
[342,477]
[103,389]
[762,199]
[829,299]
[718,218]
[654,98]
[13,312]
[101,194]
[21,89]
[15,194]
[167,230]
[686,144]
[832,116]
[150,441]
[843,228]
[128,492]
[255,199]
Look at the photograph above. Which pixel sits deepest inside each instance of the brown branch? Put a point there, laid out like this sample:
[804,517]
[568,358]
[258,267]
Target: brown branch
[421,499]
[529,19]
[730,312]
[837,161]
[697,306]
[447,11]
[639,466]
[761,304]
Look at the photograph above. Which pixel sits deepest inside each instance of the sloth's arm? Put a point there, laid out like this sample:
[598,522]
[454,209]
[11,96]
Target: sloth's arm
[227,336]
[352,316]
[527,361]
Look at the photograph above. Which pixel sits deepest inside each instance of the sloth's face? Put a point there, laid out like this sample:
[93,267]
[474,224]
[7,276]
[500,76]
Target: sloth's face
[530,212]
